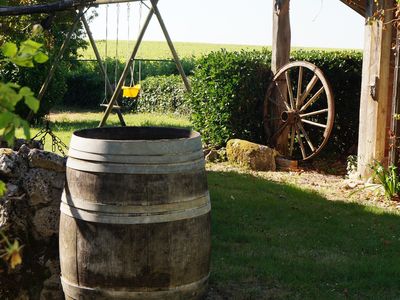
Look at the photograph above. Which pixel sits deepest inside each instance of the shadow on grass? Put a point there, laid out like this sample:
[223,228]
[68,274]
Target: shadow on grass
[273,241]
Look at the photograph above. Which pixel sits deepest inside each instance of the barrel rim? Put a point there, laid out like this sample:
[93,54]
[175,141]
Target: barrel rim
[187,134]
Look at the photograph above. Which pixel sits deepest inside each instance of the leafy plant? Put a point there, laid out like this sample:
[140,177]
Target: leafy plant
[11,252]
[12,93]
[387,178]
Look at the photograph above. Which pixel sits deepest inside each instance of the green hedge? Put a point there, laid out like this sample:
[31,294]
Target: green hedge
[163,94]
[228,94]
[229,89]
[85,84]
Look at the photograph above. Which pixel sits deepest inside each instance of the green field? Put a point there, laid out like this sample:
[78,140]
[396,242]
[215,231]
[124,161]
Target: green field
[160,50]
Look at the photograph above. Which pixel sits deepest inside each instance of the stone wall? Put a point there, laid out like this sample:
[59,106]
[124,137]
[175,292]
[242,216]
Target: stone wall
[30,212]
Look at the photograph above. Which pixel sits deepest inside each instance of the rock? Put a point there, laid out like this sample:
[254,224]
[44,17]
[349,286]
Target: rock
[23,151]
[18,143]
[350,184]
[46,221]
[212,156]
[37,184]
[53,265]
[12,190]
[52,289]
[250,155]
[46,160]
[15,214]
[11,165]
[43,186]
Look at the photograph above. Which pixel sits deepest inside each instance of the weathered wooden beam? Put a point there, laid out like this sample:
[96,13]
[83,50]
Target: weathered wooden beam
[53,7]
[360,6]
[281,39]
[395,123]
[375,102]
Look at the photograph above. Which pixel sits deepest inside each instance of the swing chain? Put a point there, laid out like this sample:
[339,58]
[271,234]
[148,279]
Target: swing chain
[56,142]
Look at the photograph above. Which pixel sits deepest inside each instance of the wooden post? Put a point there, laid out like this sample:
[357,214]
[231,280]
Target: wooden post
[281,38]
[375,99]
[395,123]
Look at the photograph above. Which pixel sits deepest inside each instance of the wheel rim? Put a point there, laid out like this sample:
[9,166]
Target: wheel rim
[299,110]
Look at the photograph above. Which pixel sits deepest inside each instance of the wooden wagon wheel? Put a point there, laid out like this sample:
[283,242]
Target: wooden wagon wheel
[299,110]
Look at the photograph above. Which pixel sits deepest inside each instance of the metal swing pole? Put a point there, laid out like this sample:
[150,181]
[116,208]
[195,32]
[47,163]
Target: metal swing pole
[57,59]
[171,45]
[100,63]
[128,64]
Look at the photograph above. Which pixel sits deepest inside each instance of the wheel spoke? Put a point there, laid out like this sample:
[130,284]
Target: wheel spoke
[282,97]
[313,123]
[279,131]
[278,104]
[309,87]
[303,151]
[290,89]
[313,113]
[292,136]
[312,99]
[306,137]
[299,85]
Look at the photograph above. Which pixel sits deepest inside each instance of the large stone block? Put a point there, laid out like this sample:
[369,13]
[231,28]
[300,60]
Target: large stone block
[46,222]
[251,155]
[43,186]
[46,160]
[11,165]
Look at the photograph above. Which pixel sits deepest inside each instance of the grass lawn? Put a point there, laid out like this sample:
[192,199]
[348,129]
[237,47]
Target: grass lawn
[277,241]
[64,123]
[274,241]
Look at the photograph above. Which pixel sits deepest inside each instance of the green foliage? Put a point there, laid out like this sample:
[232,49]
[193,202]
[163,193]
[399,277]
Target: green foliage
[162,94]
[3,188]
[343,71]
[11,93]
[51,35]
[228,94]
[229,88]
[388,178]
[85,86]
[85,83]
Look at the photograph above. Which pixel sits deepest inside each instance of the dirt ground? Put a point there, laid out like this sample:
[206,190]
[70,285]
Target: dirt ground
[332,187]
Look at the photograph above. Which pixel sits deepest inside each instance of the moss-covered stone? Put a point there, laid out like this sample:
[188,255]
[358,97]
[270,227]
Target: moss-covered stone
[251,155]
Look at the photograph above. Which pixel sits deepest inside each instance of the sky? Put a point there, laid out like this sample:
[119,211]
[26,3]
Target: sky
[314,23]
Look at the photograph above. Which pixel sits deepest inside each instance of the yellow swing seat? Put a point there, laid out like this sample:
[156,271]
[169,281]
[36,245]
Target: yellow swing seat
[130,91]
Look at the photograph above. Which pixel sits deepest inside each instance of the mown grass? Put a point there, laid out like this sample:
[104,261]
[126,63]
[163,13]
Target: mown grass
[274,241]
[64,123]
[277,241]
[159,50]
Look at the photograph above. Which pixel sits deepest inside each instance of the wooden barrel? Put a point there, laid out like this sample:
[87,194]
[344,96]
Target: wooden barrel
[135,215]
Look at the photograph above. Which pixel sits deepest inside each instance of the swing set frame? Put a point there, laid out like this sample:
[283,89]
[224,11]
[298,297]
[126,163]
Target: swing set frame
[81,7]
